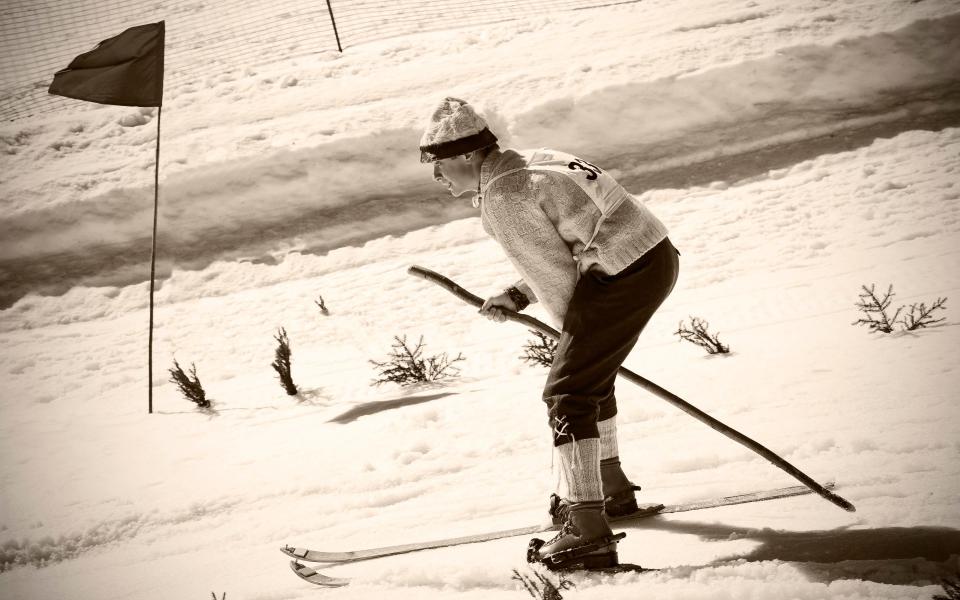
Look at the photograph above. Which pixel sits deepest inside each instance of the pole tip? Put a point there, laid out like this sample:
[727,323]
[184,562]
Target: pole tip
[842,502]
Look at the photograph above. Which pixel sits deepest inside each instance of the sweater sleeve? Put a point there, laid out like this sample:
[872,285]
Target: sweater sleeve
[534,246]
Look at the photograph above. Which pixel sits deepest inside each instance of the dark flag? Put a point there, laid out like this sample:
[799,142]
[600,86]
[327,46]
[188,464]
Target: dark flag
[126,69]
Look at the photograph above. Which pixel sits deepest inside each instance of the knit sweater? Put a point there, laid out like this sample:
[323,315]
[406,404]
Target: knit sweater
[544,221]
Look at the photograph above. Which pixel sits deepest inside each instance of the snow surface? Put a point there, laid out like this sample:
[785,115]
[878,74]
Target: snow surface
[100,500]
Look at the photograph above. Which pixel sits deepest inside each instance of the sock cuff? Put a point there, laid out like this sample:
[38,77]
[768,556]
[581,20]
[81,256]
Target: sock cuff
[608,438]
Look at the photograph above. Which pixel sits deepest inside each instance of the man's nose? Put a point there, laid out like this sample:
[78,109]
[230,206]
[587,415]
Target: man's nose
[436,172]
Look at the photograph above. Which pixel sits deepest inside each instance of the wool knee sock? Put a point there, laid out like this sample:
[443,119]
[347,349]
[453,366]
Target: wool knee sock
[608,437]
[611,473]
[580,465]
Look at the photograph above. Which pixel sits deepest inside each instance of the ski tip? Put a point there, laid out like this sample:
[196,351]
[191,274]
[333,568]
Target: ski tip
[293,552]
[313,576]
[300,569]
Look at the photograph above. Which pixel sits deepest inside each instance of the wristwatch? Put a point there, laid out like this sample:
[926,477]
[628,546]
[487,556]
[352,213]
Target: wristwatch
[518,297]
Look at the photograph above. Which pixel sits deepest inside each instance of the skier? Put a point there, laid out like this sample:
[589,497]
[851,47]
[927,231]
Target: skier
[601,264]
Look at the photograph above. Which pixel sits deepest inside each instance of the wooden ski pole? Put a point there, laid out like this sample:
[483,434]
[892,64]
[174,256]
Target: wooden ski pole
[651,387]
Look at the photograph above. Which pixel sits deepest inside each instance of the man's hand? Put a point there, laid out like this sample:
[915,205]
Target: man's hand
[491,308]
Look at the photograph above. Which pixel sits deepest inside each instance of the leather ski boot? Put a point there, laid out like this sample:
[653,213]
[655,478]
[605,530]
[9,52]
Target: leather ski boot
[585,541]
[619,493]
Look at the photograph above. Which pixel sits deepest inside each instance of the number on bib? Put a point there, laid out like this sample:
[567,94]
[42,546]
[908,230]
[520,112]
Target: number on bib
[592,170]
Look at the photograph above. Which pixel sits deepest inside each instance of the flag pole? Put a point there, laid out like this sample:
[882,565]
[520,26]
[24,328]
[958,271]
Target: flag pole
[153,263]
[124,70]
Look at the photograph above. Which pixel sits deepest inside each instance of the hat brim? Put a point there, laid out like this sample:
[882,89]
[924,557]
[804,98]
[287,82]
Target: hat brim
[432,152]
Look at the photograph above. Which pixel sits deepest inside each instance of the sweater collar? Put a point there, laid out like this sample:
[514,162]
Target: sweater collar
[489,166]
[487,169]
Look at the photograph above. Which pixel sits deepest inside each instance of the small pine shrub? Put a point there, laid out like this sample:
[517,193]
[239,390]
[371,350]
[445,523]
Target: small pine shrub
[698,334]
[874,309]
[323,307]
[281,362]
[541,351]
[919,315]
[549,591]
[406,366]
[190,385]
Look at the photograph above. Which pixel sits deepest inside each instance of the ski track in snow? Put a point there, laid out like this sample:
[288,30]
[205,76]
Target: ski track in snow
[363,184]
[774,260]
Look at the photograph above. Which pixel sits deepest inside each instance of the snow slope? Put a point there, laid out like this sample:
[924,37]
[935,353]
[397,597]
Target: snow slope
[252,169]
[100,500]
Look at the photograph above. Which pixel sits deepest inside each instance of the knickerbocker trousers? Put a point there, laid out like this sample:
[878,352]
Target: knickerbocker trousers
[603,322]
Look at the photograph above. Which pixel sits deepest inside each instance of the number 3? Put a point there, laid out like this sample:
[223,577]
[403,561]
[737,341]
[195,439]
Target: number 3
[592,170]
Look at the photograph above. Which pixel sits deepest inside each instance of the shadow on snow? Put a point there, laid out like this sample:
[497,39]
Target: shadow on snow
[919,555]
[370,408]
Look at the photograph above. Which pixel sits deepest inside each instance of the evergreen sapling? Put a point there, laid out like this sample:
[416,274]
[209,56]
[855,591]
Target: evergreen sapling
[190,385]
[407,366]
[875,308]
[549,591]
[541,351]
[698,334]
[322,306]
[919,315]
[281,362]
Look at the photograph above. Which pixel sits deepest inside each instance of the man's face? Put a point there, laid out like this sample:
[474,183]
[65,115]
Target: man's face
[456,174]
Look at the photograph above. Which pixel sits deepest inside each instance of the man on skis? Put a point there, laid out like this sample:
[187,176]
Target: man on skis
[601,264]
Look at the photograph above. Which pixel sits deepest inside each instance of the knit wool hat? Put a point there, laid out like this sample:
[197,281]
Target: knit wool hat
[454,129]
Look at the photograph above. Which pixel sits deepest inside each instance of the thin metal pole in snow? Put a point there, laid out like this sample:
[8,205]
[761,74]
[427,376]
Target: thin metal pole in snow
[653,388]
[334,21]
[153,263]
